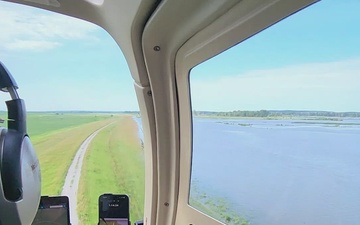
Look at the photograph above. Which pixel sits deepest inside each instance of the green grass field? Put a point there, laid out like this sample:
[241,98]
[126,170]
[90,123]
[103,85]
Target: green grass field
[45,123]
[40,123]
[113,164]
[56,138]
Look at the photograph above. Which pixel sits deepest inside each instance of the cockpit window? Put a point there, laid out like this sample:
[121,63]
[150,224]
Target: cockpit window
[83,117]
[276,123]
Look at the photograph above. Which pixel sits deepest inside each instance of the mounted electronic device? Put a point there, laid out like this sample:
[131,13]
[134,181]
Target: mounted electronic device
[53,210]
[114,209]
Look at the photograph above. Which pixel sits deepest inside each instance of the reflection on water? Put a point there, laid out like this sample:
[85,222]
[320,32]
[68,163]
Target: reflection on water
[281,172]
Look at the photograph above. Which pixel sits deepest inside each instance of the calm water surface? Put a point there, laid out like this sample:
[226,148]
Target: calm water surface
[278,172]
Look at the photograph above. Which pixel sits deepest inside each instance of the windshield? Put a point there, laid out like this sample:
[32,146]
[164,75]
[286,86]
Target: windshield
[82,112]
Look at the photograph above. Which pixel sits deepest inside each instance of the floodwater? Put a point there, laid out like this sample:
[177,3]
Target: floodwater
[281,172]
[139,125]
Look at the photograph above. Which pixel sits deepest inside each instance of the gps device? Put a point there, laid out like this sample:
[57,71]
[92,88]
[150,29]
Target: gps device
[53,210]
[114,209]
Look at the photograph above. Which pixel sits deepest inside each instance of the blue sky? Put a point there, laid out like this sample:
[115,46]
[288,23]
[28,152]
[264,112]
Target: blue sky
[308,61]
[62,63]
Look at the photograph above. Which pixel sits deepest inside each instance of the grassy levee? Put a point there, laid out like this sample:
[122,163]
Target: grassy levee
[113,164]
[57,148]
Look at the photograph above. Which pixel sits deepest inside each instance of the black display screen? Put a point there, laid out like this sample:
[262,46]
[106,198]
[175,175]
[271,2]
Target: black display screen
[53,211]
[113,209]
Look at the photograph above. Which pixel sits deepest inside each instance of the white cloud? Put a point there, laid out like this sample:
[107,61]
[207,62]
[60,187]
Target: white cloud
[31,45]
[24,27]
[322,86]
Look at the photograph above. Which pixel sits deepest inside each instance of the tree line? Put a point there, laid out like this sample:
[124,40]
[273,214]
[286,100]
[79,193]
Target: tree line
[276,113]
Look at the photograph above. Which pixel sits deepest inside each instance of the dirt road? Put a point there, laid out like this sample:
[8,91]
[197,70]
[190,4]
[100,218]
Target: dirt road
[72,179]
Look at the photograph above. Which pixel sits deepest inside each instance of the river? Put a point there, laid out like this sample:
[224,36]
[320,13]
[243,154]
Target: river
[281,172]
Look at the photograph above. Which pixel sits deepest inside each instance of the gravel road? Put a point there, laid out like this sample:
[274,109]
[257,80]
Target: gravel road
[72,179]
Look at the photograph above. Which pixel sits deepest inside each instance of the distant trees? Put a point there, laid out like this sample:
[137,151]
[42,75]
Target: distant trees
[315,113]
[276,113]
[239,113]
